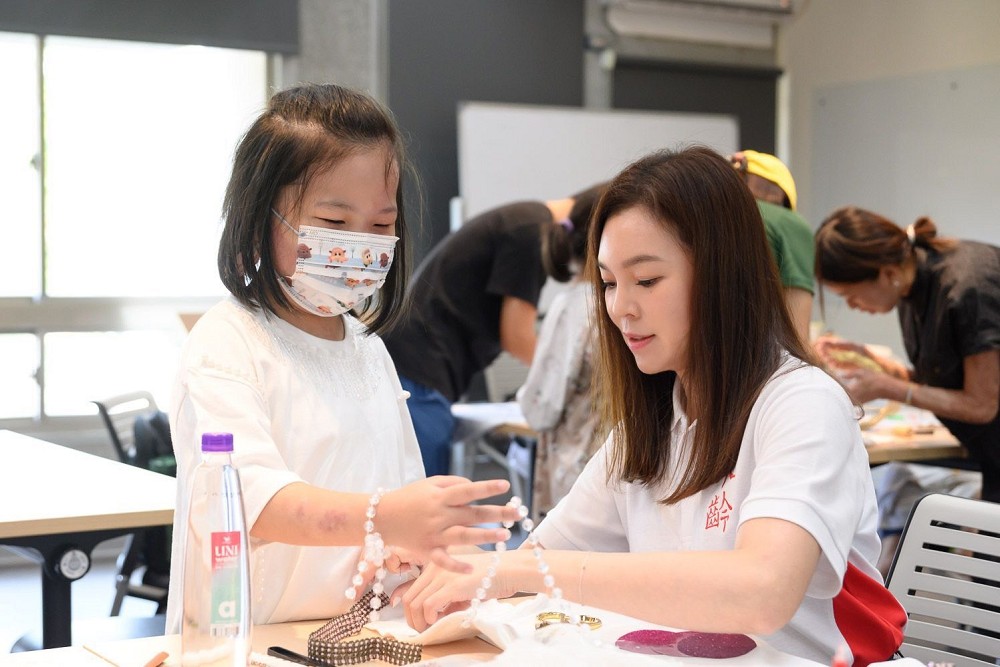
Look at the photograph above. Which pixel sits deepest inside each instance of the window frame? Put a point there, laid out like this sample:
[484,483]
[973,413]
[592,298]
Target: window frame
[43,314]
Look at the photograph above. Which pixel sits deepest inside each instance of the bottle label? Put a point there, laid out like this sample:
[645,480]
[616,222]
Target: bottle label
[226,557]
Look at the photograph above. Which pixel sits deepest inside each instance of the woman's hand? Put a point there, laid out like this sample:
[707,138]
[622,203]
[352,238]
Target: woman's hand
[431,515]
[843,356]
[438,592]
[863,385]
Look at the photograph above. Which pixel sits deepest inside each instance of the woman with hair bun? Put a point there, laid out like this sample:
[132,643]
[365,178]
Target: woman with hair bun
[947,295]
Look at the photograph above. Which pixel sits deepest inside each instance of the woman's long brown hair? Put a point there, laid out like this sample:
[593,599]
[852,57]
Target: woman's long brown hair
[739,323]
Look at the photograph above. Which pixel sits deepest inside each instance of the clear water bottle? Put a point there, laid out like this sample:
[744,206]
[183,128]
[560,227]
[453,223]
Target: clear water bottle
[215,626]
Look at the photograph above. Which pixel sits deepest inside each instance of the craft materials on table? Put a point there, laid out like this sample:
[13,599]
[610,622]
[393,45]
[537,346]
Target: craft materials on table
[885,420]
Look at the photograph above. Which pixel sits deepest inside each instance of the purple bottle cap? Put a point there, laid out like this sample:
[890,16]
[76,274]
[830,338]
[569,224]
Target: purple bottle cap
[217,442]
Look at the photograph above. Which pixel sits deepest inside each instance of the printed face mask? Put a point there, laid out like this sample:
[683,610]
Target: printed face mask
[336,270]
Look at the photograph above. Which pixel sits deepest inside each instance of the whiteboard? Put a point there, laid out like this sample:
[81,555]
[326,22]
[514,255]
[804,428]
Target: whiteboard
[516,152]
[904,147]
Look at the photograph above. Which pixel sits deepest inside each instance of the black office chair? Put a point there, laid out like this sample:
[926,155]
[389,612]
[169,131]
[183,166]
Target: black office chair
[118,414]
[140,434]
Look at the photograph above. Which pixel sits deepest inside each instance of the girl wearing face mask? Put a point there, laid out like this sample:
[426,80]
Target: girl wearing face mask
[313,253]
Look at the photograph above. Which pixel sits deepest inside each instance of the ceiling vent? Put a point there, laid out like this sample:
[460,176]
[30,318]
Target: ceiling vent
[748,23]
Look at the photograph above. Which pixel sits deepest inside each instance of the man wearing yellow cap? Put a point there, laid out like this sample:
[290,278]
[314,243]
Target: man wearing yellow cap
[790,236]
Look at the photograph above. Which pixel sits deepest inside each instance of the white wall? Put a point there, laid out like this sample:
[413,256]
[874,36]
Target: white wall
[834,42]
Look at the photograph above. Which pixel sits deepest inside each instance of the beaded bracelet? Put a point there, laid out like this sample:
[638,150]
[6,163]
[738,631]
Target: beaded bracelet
[487,582]
[374,552]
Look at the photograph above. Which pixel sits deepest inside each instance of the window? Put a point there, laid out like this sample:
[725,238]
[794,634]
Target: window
[114,161]
[20,238]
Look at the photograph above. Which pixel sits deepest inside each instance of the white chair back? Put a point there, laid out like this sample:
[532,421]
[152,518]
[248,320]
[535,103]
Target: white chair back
[946,574]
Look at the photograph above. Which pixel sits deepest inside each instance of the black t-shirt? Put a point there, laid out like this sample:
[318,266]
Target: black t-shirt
[453,329]
[952,312]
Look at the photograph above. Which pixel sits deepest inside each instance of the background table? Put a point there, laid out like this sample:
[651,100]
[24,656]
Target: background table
[939,443]
[59,503]
[908,434]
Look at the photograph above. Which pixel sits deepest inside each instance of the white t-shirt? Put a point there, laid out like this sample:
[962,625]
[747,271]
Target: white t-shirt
[802,459]
[300,408]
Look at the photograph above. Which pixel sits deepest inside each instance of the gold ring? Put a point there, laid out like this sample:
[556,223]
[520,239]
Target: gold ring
[591,622]
[551,617]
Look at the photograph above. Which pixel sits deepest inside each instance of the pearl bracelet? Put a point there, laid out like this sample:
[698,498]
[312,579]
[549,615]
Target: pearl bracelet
[374,553]
[487,582]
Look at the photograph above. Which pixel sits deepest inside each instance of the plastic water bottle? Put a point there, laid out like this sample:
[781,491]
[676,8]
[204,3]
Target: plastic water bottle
[216,627]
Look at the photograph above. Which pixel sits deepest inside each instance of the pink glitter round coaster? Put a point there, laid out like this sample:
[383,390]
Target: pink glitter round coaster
[714,645]
[651,642]
[686,644]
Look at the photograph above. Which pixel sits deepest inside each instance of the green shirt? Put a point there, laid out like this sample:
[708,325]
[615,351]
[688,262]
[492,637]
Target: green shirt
[791,241]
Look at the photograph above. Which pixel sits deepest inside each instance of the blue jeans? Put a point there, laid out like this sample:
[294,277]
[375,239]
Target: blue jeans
[433,424]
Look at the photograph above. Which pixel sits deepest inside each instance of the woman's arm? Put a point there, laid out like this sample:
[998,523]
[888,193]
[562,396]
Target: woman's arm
[976,402]
[755,588]
[800,304]
[517,328]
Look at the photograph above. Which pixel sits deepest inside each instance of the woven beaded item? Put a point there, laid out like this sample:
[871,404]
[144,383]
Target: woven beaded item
[327,643]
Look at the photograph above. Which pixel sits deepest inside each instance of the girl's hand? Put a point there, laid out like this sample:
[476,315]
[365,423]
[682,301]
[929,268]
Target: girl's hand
[431,515]
[399,561]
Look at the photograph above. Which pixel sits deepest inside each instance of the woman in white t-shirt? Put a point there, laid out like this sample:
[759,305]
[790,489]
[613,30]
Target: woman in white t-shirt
[291,364]
[733,494]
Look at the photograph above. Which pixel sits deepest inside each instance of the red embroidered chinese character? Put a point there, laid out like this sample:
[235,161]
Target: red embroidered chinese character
[712,518]
[718,512]
[724,511]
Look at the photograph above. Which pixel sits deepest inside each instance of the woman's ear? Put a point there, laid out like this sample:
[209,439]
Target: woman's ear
[891,274]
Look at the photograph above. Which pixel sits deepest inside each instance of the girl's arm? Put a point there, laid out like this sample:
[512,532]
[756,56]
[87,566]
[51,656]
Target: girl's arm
[307,515]
[755,588]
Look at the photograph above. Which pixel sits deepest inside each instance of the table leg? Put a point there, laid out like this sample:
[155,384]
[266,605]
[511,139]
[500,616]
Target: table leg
[64,557]
[56,610]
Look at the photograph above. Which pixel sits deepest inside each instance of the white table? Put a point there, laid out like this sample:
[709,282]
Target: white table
[473,423]
[294,636]
[59,503]
[138,652]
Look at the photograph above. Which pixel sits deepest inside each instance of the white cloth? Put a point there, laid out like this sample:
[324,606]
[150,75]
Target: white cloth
[802,460]
[510,625]
[301,409]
